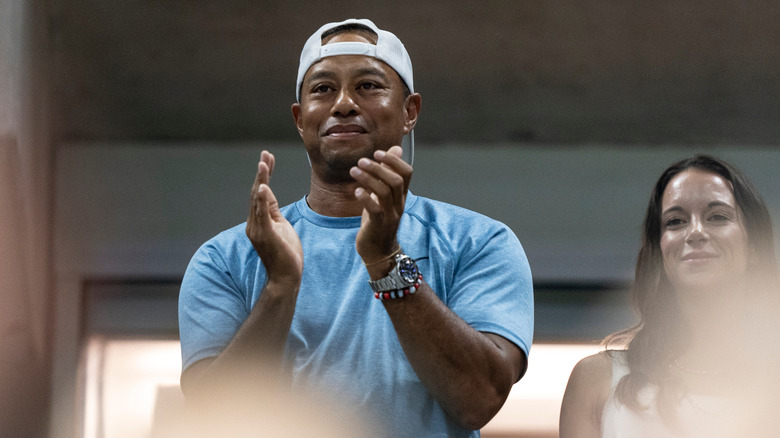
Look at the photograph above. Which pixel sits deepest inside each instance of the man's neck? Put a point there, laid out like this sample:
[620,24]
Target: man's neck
[334,200]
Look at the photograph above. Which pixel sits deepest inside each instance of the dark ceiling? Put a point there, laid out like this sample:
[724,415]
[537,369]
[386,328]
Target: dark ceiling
[490,71]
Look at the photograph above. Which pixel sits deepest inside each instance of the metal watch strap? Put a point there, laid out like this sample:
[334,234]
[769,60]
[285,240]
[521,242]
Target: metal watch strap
[385,283]
[393,281]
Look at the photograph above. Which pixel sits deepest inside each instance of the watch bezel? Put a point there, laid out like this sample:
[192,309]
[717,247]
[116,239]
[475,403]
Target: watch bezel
[407,270]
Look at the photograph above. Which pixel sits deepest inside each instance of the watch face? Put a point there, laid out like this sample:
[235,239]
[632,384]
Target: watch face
[408,271]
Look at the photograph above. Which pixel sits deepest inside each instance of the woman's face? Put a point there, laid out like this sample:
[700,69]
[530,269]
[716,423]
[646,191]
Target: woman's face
[703,238]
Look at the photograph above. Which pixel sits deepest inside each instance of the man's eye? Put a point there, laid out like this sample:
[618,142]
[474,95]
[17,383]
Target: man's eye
[368,86]
[321,89]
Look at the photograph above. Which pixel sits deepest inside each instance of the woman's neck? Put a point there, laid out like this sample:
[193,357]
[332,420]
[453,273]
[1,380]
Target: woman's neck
[716,328]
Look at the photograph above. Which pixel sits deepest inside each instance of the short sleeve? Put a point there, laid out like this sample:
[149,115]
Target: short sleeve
[492,288]
[212,304]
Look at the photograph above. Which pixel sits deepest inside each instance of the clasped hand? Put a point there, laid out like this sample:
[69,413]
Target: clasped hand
[272,236]
[382,186]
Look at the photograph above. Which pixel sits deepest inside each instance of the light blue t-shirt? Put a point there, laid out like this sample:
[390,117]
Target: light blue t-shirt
[341,342]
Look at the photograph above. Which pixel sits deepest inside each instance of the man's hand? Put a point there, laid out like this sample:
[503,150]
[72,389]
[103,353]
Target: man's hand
[383,183]
[259,343]
[272,236]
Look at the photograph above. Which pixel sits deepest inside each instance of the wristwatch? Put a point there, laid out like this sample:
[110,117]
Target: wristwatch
[403,275]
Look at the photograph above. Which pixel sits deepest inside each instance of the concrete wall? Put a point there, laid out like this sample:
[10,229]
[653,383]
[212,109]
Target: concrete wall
[538,71]
[142,210]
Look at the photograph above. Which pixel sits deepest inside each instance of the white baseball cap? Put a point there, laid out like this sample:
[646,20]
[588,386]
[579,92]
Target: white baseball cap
[388,49]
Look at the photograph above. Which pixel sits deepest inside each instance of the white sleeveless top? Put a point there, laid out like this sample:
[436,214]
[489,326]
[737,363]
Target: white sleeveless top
[698,415]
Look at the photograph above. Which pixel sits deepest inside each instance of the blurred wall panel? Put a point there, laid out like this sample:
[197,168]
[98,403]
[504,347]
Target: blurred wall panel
[25,221]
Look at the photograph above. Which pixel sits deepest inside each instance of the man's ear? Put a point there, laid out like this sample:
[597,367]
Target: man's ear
[412,105]
[296,113]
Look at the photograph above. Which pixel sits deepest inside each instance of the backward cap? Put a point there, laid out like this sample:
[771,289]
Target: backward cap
[388,49]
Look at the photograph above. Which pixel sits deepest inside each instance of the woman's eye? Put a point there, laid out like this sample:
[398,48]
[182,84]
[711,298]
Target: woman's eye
[719,217]
[671,222]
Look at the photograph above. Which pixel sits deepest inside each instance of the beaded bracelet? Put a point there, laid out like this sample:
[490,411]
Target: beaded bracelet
[399,293]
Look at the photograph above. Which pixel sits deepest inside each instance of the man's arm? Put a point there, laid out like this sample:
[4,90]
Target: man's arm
[261,339]
[470,373]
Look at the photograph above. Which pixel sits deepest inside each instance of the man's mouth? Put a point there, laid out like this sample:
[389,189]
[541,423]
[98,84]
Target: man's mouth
[344,130]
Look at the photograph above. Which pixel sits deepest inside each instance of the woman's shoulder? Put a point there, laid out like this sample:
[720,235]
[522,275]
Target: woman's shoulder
[586,393]
[598,365]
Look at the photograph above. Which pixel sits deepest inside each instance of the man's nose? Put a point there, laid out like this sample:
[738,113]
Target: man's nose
[345,103]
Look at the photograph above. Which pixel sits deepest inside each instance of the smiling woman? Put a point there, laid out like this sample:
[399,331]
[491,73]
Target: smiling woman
[706,278]
[703,241]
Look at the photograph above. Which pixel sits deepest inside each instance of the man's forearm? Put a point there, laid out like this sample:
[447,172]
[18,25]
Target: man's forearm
[257,348]
[468,372]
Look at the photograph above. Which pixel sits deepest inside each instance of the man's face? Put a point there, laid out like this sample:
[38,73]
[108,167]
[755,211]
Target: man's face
[350,106]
